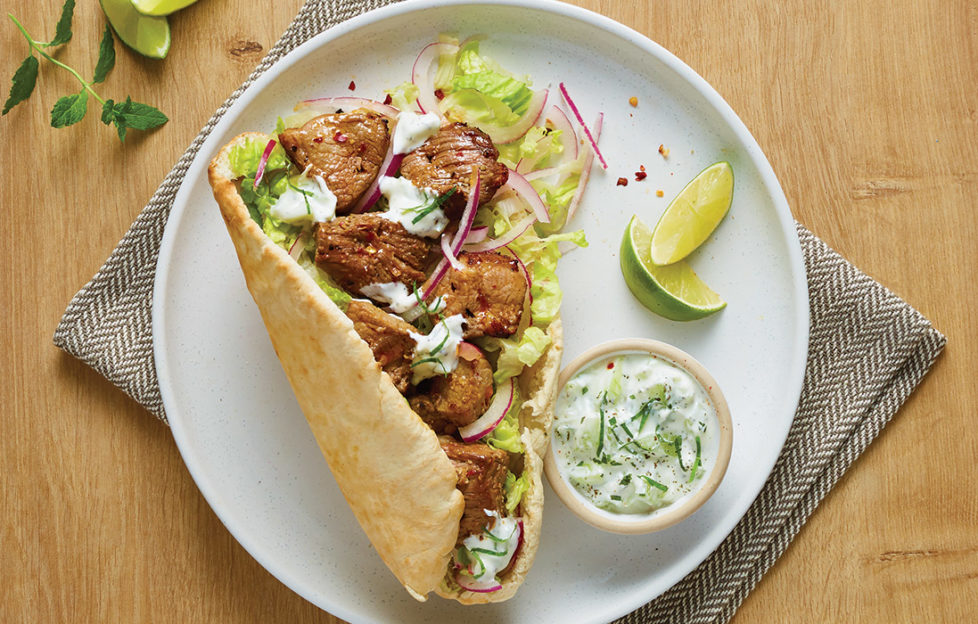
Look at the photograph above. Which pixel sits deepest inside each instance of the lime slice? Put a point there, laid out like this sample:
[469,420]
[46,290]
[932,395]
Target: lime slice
[673,291]
[693,215]
[160,7]
[147,35]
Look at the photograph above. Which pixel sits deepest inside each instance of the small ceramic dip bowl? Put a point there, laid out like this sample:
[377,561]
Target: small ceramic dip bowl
[642,436]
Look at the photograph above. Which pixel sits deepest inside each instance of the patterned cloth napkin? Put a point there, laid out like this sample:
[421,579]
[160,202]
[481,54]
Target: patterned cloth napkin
[868,350]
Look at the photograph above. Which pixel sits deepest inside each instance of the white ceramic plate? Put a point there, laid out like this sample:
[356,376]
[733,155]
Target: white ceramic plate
[247,444]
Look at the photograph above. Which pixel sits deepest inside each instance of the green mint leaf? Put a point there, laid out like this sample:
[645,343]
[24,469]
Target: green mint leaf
[23,83]
[62,33]
[141,116]
[106,56]
[69,110]
[121,127]
[107,113]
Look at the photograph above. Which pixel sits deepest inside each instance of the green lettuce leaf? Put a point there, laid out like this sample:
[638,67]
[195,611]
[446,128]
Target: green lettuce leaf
[243,158]
[515,487]
[474,71]
[515,354]
[404,95]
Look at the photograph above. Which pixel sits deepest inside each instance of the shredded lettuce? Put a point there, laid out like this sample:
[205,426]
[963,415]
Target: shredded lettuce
[322,279]
[515,487]
[243,158]
[514,353]
[474,71]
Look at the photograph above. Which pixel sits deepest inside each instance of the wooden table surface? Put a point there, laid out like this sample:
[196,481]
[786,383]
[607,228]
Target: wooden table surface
[868,113]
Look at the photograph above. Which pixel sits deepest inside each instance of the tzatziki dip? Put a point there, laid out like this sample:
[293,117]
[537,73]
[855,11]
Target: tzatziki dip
[634,433]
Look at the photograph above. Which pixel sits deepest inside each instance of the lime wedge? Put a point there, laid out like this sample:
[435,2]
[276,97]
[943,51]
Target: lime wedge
[673,291]
[147,35]
[160,7]
[693,214]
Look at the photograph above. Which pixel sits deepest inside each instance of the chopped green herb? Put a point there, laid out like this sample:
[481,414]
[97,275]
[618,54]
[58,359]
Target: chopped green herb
[696,462]
[626,479]
[615,497]
[426,209]
[677,443]
[652,482]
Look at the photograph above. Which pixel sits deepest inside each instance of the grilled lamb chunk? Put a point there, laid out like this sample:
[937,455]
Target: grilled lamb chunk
[488,293]
[447,402]
[388,338]
[362,249]
[448,158]
[481,472]
[345,149]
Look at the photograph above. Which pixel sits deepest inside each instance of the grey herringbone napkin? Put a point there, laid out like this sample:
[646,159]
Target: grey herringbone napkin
[868,351]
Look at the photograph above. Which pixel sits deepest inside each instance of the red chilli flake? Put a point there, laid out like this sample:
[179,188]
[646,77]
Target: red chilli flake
[339,137]
[640,175]
[318,139]
[353,86]
[622,181]
[388,99]
[611,365]
[439,94]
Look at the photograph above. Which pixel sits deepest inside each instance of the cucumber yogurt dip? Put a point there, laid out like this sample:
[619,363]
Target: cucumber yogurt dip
[634,433]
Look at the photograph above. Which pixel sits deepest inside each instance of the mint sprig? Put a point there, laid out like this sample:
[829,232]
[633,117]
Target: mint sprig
[71,109]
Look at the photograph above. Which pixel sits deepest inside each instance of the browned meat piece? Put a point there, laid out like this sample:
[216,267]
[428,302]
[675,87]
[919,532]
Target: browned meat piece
[346,149]
[447,402]
[388,338]
[488,293]
[362,249]
[448,158]
[481,472]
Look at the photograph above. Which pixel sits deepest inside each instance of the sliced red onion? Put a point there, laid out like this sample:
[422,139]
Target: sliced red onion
[446,250]
[298,246]
[468,351]
[527,193]
[507,238]
[508,134]
[541,173]
[529,282]
[483,426]
[333,104]
[580,120]
[519,541]
[421,74]
[468,215]
[477,234]
[392,162]
[568,138]
[263,161]
[436,276]
[585,174]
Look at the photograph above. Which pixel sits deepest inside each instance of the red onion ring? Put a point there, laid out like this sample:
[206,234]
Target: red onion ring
[483,426]
[585,174]
[446,250]
[392,162]
[333,104]
[263,161]
[580,120]
[568,137]
[421,72]
[507,238]
[296,249]
[529,283]
[528,194]
[477,234]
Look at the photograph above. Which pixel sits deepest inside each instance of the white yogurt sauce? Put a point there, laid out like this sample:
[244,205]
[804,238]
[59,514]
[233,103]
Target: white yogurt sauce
[412,130]
[634,433]
[487,554]
[437,353]
[399,297]
[306,200]
[408,206]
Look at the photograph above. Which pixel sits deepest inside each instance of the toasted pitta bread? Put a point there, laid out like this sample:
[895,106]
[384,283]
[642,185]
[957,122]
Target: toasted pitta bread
[386,460]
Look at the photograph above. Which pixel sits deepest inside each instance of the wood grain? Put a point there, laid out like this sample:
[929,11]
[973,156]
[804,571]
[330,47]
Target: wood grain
[867,112]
